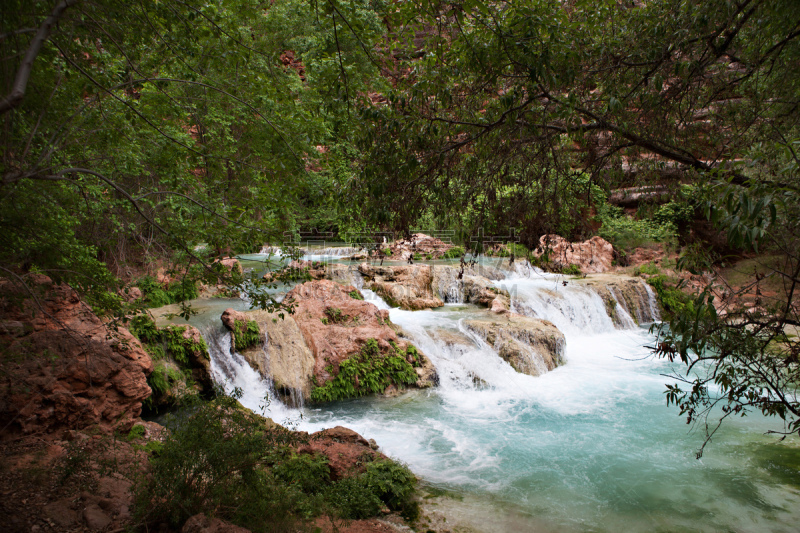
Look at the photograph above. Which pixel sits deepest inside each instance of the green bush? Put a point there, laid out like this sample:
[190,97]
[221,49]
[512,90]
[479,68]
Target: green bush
[571,270]
[649,269]
[628,233]
[454,252]
[369,372]
[224,461]
[157,295]
[246,335]
[394,484]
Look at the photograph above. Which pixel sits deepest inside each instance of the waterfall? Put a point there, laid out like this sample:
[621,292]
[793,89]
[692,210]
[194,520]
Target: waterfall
[623,316]
[230,371]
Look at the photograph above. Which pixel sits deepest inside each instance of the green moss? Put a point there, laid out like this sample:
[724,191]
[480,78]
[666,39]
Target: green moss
[246,334]
[355,295]
[162,378]
[166,342]
[136,432]
[369,372]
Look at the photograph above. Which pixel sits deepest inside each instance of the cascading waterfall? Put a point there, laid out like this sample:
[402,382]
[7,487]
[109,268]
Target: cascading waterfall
[589,446]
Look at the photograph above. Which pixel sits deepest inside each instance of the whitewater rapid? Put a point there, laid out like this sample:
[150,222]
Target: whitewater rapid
[589,446]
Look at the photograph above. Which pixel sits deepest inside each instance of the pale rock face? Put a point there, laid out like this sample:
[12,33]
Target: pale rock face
[406,286]
[631,294]
[592,256]
[285,357]
[531,346]
[63,367]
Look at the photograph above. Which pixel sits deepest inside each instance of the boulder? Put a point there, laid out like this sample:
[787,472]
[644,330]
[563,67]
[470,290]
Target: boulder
[629,301]
[406,286]
[418,243]
[592,256]
[531,346]
[347,451]
[335,325]
[230,317]
[63,367]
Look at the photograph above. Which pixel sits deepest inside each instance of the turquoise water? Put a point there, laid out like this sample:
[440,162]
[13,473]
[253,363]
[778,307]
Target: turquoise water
[590,446]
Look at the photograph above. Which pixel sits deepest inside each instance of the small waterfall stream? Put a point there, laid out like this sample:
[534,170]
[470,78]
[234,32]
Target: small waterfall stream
[589,446]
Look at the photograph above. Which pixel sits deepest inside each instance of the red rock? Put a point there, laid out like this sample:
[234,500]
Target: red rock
[592,256]
[65,368]
[332,341]
[406,286]
[231,316]
[346,450]
[419,243]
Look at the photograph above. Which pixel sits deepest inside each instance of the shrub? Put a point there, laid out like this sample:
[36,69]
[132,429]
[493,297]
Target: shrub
[215,461]
[355,295]
[246,334]
[628,233]
[158,295]
[649,269]
[454,252]
[369,372]
[223,460]
[571,270]
[394,484]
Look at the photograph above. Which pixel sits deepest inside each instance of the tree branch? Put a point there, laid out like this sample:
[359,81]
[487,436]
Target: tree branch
[17,93]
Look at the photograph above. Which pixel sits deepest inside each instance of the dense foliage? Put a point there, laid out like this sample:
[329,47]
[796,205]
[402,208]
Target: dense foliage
[225,461]
[193,137]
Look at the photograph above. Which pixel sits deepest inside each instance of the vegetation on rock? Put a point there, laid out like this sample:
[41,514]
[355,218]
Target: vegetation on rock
[369,372]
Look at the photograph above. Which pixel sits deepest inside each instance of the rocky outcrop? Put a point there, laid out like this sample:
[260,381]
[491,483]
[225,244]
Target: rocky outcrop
[335,325]
[62,367]
[330,323]
[198,358]
[629,301]
[241,327]
[406,286]
[419,243]
[531,346]
[284,358]
[592,256]
[347,451]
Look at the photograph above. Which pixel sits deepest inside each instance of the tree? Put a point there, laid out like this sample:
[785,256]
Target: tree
[143,130]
